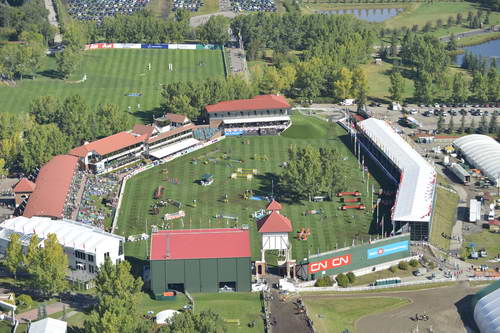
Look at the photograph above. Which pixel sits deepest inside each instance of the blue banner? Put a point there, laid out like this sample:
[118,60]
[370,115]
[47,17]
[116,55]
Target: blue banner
[154,46]
[386,250]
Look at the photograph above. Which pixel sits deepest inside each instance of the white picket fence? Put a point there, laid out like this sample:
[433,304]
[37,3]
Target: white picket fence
[402,284]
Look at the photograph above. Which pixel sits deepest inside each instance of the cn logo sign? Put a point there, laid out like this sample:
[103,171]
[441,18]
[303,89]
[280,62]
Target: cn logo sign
[329,263]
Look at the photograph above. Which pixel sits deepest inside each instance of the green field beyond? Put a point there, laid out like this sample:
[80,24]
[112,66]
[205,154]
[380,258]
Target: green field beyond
[112,74]
[329,229]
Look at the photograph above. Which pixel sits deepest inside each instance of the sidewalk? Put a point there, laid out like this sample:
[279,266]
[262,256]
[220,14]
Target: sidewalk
[33,313]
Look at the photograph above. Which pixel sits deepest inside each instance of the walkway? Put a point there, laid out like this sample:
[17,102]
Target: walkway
[285,314]
[202,19]
[33,314]
[53,20]
[472,33]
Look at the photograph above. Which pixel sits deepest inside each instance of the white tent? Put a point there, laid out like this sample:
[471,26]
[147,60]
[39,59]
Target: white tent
[164,316]
[483,152]
[48,325]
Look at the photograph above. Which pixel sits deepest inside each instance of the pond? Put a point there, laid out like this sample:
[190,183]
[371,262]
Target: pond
[371,15]
[488,50]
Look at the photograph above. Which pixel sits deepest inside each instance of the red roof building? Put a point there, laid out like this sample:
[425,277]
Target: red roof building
[108,144]
[52,187]
[262,102]
[24,186]
[274,205]
[145,130]
[274,222]
[200,244]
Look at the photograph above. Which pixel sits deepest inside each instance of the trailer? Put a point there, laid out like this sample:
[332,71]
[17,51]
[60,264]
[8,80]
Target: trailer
[474,210]
[460,173]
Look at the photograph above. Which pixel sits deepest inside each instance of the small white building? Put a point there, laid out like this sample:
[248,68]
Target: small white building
[86,246]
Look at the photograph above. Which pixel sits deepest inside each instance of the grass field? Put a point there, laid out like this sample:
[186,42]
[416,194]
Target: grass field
[336,315]
[484,239]
[383,274]
[333,228]
[445,214]
[379,81]
[111,74]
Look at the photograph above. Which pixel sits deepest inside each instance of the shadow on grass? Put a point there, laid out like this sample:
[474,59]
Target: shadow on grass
[147,116]
[138,265]
[51,74]
[271,187]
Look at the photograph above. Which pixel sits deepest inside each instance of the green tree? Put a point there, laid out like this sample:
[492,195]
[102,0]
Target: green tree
[493,83]
[413,262]
[111,120]
[44,109]
[452,43]
[461,129]
[342,280]
[397,86]
[67,61]
[14,257]
[460,90]
[479,87]
[32,256]
[271,82]
[47,136]
[324,281]
[483,125]
[215,31]
[3,170]
[75,120]
[472,127]
[116,291]
[303,174]
[440,124]
[205,321]
[360,86]
[48,272]
[334,171]
[451,125]
[424,88]
[75,35]
[343,84]
[180,104]
[351,276]
[493,126]
[310,78]
[403,265]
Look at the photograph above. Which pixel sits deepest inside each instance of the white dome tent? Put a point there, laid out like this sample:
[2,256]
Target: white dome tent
[164,316]
[483,152]
[487,309]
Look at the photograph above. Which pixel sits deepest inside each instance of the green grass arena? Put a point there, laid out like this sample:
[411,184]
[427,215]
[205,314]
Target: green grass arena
[114,73]
[333,228]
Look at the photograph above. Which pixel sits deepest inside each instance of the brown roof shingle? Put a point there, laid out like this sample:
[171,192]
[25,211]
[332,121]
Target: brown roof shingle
[108,144]
[261,102]
[24,186]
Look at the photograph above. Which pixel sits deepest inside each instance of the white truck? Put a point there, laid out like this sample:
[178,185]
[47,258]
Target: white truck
[474,210]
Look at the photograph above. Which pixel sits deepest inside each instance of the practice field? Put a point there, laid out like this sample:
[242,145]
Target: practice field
[330,229]
[114,74]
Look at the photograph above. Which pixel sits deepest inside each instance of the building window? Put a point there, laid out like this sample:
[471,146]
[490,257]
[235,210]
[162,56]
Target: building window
[106,255]
[91,269]
[80,255]
[120,248]
[90,258]
[80,266]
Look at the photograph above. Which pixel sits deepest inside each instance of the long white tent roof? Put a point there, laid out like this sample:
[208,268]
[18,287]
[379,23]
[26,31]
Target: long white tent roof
[414,199]
[483,152]
[487,312]
[69,233]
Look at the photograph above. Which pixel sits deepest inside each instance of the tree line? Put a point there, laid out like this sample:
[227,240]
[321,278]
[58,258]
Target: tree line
[54,126]
[426,62]
[483,127]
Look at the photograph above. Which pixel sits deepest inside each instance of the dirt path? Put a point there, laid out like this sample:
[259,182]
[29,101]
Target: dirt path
[33,314]
[448,309]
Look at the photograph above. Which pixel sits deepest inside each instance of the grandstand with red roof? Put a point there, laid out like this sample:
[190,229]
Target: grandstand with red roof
[260,115]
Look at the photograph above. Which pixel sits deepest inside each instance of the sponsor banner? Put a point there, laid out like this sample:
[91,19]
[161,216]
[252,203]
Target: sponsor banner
[228,133]
[186,46]
[127,46]
[154,46]
[389,249]
[330,263]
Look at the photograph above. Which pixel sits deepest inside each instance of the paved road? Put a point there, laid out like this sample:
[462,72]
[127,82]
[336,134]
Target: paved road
[447,308]
[202,19]
[53,19]
[238,62]
[472,33]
